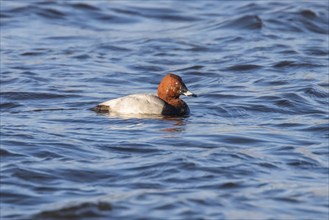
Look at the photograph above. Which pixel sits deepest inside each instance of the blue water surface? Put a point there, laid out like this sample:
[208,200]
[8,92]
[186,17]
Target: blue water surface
[255,145]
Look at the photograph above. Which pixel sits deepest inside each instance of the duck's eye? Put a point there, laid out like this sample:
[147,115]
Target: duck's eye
[181,90]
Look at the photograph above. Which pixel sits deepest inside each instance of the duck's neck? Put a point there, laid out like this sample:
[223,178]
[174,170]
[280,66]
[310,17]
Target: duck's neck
[179,105]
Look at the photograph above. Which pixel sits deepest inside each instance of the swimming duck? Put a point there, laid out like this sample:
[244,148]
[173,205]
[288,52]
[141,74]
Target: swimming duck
[167,102]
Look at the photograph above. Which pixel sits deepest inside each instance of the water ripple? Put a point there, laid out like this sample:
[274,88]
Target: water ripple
[255,143]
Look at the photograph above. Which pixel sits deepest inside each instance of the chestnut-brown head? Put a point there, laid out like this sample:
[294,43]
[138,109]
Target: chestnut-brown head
[171,87]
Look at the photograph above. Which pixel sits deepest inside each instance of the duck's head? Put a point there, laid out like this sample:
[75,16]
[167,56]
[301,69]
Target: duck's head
[172,86]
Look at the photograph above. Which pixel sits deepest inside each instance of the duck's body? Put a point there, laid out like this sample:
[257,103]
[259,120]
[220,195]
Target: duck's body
[167,101]
[140,104]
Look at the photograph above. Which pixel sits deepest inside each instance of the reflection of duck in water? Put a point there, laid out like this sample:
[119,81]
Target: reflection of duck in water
[167,102]
[176,125]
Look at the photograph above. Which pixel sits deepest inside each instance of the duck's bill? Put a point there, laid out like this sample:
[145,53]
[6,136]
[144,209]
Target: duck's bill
[188,93]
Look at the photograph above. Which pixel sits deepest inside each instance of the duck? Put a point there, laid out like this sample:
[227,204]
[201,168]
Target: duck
[166,102]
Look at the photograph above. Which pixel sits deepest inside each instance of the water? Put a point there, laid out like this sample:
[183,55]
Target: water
[254,147]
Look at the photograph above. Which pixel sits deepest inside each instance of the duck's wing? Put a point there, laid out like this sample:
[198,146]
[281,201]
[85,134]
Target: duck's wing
[133,104]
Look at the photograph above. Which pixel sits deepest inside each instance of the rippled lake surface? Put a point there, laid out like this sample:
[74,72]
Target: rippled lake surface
[255,145]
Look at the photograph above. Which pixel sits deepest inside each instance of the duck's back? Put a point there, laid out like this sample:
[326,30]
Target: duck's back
[134,104]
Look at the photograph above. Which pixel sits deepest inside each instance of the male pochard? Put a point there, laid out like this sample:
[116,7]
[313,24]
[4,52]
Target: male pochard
[167,102]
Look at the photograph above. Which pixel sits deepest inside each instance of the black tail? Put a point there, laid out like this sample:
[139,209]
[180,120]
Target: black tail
[101,108]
